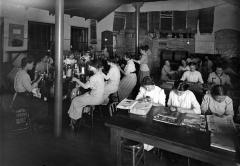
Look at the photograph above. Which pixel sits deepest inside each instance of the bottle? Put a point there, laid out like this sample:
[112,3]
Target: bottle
[69,71]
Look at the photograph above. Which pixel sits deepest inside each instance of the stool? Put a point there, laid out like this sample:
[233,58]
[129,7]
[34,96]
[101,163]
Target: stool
[135,148]
[91,109]
[114,97]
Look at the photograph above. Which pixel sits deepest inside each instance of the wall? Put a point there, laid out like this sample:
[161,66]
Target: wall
[18,14]
[103,25]
[225,17]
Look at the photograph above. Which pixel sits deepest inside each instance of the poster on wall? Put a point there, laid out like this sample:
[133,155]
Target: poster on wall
[16,36]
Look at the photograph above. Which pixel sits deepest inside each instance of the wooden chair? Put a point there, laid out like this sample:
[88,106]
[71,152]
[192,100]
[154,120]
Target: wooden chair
[128,146]
[136,150]
[112,108]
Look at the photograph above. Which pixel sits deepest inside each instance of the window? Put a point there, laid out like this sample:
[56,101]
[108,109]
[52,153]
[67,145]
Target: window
[93,31]
[40,37]
[79,38]
[166,19]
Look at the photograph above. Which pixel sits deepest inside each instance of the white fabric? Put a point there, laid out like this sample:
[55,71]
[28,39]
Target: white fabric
[130,67]
[157,95]
[187,100]
[112,83]
[22,82]
[95,97]
[223,108]
[192,76]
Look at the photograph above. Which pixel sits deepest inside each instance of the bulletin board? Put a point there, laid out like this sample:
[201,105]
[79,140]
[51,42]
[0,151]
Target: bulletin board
[16,35]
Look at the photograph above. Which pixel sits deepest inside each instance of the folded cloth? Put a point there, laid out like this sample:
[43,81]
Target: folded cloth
[148,147]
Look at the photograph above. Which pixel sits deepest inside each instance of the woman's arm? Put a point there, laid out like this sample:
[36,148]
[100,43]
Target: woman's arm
[195,107]
[140,93]
[85,86]
[137,61]
[205,103]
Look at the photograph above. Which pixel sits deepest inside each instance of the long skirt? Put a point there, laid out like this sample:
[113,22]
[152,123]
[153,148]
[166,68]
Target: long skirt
[37,108]
[127,85]
[142,74]
[78,103]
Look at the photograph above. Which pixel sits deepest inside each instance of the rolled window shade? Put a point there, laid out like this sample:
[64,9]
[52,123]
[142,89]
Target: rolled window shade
[192,21]
[179,21]
[154,21]
[130,21]
[119,21]
[143,21]
[206,19]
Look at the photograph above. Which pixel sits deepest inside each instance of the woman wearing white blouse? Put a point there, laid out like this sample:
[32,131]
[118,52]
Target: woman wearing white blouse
[148,91]
[113,79]
[183,100]
[129,81]
[217,102]
[193,75]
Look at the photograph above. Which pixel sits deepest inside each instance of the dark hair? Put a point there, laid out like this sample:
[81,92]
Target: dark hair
[180,85]
[147,81]
[218,90]
[113,60]
[127,55]
[192,64]
[26,60]
[145,48]
[96,63]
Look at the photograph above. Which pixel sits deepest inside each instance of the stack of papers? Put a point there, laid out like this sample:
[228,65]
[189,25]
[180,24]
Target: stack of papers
[222,132]
[135,107]
[141,108]
[126,104]
[167,116]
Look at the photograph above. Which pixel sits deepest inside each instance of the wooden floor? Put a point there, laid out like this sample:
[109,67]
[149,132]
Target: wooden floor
[89,147]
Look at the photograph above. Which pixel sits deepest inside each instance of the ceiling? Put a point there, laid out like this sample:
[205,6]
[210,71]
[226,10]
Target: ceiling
[89,9]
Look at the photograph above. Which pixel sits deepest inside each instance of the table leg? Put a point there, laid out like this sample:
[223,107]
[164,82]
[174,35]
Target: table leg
[116,146]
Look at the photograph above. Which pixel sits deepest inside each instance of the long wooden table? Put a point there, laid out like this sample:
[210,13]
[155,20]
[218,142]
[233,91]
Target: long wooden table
[181,140]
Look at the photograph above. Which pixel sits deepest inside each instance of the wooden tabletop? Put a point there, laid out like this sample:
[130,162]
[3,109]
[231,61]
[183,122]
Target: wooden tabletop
[182,140]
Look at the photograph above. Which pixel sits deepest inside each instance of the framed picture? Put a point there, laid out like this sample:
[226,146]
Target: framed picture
[16,35]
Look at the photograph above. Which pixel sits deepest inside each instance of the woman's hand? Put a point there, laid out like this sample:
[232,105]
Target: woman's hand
[181,110]
[173,108]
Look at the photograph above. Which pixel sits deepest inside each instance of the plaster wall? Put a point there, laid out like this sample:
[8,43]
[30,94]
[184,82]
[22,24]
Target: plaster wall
[225,17]
[17,14]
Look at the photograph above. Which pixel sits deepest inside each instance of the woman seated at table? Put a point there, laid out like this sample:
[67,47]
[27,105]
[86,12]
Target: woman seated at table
[219,77]
[129,80]
[94,97]
[113,79]
[193,75]
[217,102]
[183,100]
[25,88]
[150,92]
[167,73]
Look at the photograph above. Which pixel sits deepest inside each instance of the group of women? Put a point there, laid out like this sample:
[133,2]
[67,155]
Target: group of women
[103,85]
[184,101]
[188,72]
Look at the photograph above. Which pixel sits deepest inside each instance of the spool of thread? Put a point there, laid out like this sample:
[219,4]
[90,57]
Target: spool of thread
[83,70]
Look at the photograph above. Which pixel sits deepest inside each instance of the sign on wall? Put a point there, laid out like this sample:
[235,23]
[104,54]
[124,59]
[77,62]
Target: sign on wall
[16,35]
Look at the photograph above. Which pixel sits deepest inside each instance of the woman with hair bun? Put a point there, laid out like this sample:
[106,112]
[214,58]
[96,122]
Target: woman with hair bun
[217,102]
[94,97]
[150,92]
[183,100]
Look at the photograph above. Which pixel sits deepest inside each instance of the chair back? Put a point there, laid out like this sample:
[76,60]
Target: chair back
[113,108]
